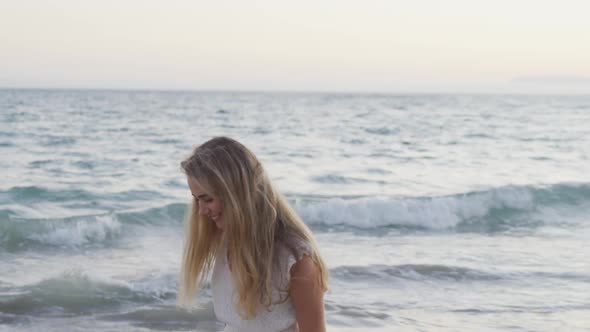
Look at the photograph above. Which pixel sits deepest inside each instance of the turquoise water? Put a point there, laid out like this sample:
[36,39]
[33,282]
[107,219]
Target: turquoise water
[434,212]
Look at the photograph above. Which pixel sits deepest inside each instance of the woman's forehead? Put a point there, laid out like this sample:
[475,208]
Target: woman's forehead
[196,187]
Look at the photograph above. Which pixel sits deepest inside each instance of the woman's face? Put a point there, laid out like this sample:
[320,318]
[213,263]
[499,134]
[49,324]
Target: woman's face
[211,207]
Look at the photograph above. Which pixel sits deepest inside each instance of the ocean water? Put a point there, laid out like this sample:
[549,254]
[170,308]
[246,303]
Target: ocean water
[434,212]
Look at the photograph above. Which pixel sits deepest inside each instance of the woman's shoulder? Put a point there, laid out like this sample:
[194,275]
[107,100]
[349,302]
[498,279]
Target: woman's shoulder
[291,249]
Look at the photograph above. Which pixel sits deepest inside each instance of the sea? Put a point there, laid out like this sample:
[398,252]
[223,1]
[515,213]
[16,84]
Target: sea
[434,212]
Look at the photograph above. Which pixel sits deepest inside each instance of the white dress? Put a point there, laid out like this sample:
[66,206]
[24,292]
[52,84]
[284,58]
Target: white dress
[281,318]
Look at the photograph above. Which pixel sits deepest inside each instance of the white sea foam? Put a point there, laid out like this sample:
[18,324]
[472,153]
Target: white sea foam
[76,232]
[432,212]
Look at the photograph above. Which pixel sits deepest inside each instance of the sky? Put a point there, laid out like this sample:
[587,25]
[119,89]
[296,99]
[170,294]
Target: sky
[530,46]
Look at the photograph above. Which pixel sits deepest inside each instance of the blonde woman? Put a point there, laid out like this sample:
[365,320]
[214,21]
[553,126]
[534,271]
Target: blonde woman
[266,270]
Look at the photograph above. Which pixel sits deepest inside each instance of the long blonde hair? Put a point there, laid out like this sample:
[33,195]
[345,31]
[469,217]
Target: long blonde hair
[256,217]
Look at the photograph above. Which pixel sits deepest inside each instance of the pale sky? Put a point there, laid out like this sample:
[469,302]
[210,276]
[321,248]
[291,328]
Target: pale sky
[321,45]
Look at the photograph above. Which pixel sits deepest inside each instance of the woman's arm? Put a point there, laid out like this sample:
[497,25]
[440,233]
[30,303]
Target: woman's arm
[308,296]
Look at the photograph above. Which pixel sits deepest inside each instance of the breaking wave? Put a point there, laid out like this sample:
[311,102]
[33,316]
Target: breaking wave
[74,292]
[496,207]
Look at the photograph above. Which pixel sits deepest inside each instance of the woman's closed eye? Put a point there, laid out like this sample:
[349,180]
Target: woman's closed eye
[203,199]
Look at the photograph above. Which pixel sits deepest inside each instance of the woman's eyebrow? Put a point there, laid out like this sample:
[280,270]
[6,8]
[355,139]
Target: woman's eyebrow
[201,196]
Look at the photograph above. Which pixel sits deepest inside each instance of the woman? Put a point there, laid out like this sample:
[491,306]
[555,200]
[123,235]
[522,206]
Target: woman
[267,273]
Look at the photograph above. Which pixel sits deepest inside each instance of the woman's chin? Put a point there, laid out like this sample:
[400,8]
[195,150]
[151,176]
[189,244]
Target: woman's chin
[219,224]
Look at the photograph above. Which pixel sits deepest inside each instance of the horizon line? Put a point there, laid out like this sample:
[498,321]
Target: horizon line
[291,91]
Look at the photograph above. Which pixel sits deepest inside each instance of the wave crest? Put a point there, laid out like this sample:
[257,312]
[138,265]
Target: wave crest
[76,292]
[69,232]
[494,207]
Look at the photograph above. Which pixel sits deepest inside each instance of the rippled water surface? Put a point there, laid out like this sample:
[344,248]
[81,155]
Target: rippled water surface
[434,212]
